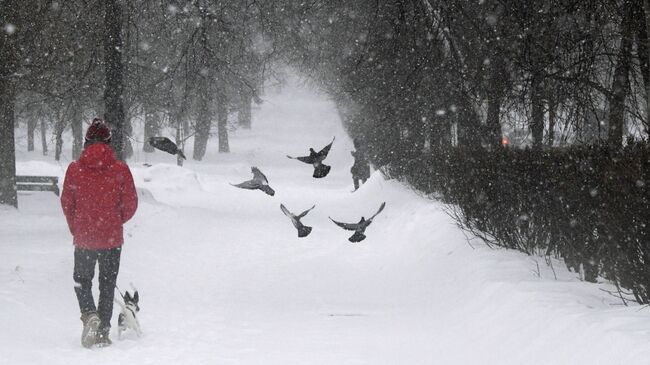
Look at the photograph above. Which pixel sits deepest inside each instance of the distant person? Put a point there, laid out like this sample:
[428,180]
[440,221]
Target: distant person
[361,168]
[98,198]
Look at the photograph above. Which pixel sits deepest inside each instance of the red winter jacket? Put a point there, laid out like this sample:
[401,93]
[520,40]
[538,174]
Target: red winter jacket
[98,197]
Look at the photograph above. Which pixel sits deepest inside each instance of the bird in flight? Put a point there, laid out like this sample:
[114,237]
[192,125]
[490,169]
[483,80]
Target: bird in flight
[258,182]
[360,227]
[165,144]
[303,230]
[316,159]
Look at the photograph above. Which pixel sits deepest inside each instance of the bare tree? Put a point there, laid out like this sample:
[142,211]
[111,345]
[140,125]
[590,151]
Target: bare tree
[114,89]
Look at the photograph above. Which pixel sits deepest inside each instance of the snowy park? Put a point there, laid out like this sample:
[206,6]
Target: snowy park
[224,279]
[325,182]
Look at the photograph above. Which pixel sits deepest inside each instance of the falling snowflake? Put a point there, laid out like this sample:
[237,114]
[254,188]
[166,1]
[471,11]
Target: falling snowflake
[145,46]
[9,28]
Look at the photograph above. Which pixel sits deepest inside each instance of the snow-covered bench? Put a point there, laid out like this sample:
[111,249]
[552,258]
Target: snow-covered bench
[38,183]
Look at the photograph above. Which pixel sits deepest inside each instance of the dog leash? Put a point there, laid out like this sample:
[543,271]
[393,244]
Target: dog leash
[119,291]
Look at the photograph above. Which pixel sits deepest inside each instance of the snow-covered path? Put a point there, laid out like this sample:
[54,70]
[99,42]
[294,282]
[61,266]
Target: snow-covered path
[224,279]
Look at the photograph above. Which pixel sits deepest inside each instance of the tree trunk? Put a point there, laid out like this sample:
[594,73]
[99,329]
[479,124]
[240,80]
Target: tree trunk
[128,132]
[58,136]
[44,137]
[179,139]
[469,135]
[495,96]
[244,117]
[178,119]
[621,81]
[202,127]
[440,133]
[151,125]
[416,136]
[77,130]
[31,128]
[644,55]
[7,142]
[537,112]
[222,122]
[493,123]
[113,93]
[8,65]
[550,137]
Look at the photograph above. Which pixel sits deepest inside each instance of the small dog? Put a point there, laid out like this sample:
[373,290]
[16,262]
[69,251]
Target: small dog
[128,316]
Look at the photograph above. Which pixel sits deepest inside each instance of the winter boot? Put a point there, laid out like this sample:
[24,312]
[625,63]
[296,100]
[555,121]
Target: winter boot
[102,339]
[89,332]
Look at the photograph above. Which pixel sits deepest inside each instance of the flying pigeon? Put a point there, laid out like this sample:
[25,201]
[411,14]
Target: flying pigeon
[258,181]
[165,144]
[360,227]
[316,159]
[303,231]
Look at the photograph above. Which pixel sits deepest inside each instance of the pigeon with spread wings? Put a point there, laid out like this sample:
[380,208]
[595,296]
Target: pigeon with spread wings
[165,144]
[258,182]
[360,227]
[316,159]
[303,231]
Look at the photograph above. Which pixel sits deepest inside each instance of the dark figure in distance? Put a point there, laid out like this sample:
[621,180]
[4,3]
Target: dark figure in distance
[361,168]
[98,198]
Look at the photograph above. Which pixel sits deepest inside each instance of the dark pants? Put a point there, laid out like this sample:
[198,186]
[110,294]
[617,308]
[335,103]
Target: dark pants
[84,271]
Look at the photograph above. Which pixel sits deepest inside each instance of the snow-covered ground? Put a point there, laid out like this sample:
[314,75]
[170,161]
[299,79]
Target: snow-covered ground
[223,279]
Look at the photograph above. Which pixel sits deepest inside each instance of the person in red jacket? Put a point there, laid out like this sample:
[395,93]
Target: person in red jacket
[98,198]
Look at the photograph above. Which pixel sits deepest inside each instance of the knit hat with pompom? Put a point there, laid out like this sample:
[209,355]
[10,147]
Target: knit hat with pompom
[98,131]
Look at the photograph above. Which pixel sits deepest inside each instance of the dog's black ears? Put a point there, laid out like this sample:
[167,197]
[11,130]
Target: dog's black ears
[127,296]
[136,297]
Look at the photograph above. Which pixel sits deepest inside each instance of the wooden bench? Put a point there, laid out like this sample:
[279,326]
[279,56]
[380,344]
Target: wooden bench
[38,183]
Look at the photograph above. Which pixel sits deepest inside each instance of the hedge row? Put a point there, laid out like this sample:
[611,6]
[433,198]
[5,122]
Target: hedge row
[587,205]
